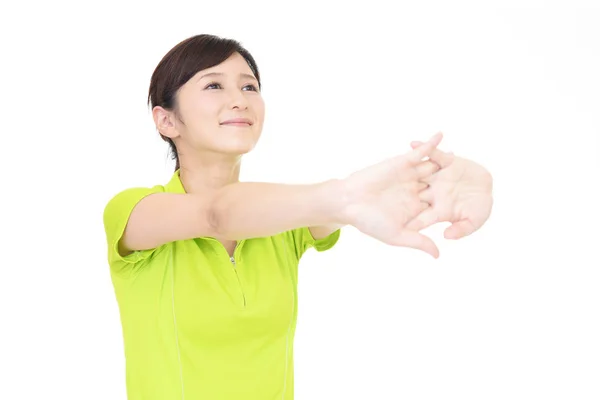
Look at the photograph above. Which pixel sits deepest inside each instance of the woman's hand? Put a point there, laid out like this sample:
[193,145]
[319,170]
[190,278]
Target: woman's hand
[460,194]
[383,199]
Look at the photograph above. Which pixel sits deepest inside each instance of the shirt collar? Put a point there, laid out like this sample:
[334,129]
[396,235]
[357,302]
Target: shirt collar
[175,185]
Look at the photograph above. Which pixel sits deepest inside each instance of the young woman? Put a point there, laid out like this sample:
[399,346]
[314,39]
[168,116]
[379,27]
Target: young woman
[205,267]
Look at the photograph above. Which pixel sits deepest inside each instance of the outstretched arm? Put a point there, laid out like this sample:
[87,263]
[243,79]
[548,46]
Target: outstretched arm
[253,209]
[379,201]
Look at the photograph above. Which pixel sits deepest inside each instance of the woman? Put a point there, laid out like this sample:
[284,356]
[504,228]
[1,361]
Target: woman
[205,267]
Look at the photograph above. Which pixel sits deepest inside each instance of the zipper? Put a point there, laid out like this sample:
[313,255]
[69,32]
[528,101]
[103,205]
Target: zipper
[232,259]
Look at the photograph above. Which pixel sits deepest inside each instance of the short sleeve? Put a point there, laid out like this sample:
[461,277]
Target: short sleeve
[116,216]
[303,240]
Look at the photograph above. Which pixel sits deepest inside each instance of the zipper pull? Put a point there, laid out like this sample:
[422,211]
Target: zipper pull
[232,260]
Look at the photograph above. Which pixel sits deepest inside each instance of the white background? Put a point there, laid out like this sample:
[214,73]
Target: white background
[511,312]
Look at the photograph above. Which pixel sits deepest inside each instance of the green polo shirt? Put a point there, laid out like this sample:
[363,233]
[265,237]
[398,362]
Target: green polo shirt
[198,324]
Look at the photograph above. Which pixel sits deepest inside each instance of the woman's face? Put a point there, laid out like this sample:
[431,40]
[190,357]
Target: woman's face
[221,108]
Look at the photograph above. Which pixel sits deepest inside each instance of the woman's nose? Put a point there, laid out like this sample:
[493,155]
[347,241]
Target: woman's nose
[238,100]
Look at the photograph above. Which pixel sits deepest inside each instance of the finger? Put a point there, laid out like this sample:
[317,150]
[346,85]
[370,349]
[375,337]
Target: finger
[426,195]
[426,169]
[441,158]
[419,153]
[418,241]
[422,186]
[459,229]
[423,220]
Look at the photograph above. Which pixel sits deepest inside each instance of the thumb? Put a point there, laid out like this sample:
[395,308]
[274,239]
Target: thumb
[418,241]
[459,229]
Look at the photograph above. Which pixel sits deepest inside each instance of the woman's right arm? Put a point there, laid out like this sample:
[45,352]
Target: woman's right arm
[160,218]
[237,211]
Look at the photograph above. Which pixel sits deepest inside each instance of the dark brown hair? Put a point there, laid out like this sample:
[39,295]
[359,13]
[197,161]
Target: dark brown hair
[184,61]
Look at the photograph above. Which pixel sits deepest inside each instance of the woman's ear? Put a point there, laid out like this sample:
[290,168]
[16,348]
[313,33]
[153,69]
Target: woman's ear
[164,121]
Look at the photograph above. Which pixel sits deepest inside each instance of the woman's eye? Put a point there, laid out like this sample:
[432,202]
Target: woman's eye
[218,86]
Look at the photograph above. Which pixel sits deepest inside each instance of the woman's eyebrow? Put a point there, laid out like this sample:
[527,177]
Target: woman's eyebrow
[243,75]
